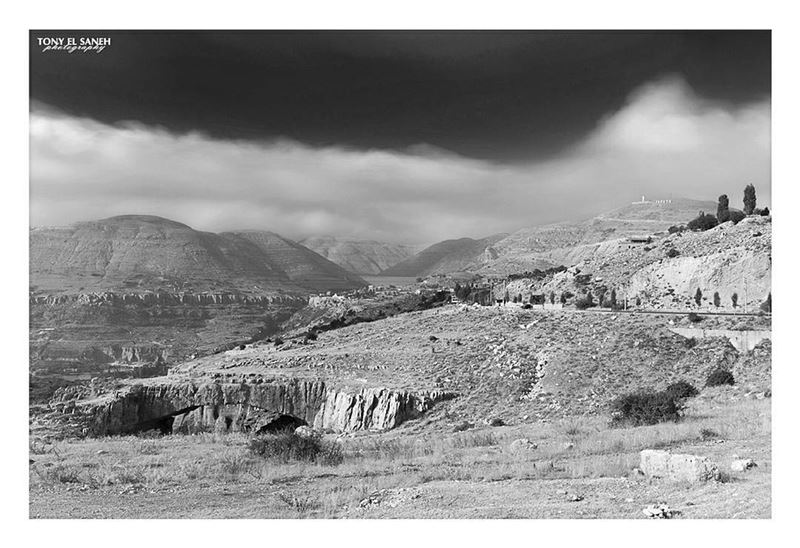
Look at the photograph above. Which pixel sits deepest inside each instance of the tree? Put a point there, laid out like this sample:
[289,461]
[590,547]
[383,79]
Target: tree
[638,301]
[716,299]
[723,213]
[613,298]
[563,298]
[734,299]
[698,296]
[749,199]
[552,297]
[765,212]
[766,306]
[601,297]
[505,297]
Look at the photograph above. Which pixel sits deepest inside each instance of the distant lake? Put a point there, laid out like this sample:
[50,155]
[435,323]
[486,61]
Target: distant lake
[398,281]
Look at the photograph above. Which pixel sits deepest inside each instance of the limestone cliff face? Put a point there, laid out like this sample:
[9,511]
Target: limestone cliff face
[184,407]
[164,299]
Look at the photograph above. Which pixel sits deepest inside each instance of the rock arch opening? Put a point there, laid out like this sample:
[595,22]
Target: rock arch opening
[281,423]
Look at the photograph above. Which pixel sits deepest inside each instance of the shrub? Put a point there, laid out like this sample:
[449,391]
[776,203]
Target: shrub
[735,215]
[497,421]
[642,408]
[311,335]
[708,434]
[702,222]
[694,317]
[765,212]
[287,446]
[278,341]
[465,425]
[672,253]
[585,302]
[681,389]
[719,377]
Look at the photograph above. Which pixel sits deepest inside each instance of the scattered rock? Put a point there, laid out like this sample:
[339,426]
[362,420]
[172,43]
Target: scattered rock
[574,497]
[742,465]
[465,425]
[659,511]
[677,467]
[101,452]
[522,445]
[569,445]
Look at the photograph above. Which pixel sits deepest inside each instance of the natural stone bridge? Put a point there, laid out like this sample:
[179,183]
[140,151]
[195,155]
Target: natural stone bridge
[189,407]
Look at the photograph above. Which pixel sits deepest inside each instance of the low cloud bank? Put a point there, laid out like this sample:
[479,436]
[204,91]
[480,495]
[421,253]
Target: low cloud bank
[664,142]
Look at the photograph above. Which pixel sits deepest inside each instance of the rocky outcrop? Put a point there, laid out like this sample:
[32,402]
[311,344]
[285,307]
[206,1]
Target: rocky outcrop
[165,299]
[189,406]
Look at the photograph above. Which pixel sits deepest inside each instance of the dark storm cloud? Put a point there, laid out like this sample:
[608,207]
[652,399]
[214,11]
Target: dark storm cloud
[665,140]
[501,96]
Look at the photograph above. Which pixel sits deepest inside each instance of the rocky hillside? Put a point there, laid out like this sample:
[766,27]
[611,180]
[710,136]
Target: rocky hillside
[360,256]
[301,265]
[446,257]
[130,295]
[565,243]
[667,272]
[441,366]
[134,252]
[545,246]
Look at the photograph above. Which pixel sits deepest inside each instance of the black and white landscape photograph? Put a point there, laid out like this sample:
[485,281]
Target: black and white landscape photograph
[400,274]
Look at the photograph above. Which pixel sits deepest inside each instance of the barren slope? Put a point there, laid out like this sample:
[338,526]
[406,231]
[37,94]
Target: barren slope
[445,257]
[360,256]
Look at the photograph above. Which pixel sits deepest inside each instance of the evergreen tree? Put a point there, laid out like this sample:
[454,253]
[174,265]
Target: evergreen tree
[698,296]
[716,299]
[749,199]
[723,213]
[734,299]
[552,297]
[613,298]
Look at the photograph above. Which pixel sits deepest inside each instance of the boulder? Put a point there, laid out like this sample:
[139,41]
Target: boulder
[522,445]
[743,465]
[306,432]
[677,467]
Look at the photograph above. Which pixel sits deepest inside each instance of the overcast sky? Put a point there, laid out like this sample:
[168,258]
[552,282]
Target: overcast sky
[406,137]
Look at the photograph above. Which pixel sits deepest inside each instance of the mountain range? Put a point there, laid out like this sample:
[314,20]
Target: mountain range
[137,252]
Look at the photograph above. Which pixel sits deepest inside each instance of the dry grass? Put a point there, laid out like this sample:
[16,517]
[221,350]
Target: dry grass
[566,450]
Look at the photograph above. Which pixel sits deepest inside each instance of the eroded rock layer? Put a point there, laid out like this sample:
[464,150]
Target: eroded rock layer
[200,406]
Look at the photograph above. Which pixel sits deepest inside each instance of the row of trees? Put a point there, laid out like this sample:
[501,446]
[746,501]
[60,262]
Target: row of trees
[766,306]
[705,221]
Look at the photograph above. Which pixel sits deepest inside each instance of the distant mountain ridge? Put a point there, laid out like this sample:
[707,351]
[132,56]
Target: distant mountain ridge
[140,252]
[549,245]
[444,257]
[366,257]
